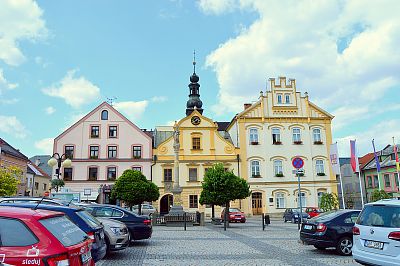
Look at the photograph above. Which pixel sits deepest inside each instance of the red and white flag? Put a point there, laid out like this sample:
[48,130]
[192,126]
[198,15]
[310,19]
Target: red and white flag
[353,157]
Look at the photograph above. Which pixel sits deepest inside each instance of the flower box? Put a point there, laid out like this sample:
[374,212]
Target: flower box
[279,175]
[277,143]
[297,142]
[256,176]
[94,157]
[321,174]
[254,143]
[318,142]
[136,157]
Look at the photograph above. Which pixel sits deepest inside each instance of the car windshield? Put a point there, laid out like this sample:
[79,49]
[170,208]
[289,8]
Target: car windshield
[234,210]
[64,230]
[325,216]
[380,215]
[89,219]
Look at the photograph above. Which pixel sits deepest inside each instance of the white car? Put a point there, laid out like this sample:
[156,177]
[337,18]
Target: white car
[376,234]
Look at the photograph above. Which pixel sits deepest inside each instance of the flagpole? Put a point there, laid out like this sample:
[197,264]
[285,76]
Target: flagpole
[397,163]
[340,178]
[359,177]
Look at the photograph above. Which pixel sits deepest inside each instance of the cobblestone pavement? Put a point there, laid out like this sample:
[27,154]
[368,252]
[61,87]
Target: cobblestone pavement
[241,244]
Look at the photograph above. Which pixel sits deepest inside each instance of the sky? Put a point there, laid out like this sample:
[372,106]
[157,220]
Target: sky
[61,59]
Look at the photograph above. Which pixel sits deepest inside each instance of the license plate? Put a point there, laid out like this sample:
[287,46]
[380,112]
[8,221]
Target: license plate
[86,256]
[373,244]
[238,218]
[308,227]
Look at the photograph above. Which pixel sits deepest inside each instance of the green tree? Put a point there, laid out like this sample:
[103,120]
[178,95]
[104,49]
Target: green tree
[9,180]
[329,201]
[379,194]
[133,188]
[57,184]
[220,187]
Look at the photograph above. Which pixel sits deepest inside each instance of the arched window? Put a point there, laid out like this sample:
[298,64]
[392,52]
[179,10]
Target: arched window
[255,168]
[104,115]
[317,135]
[253,136]
[280,200]
[278,168]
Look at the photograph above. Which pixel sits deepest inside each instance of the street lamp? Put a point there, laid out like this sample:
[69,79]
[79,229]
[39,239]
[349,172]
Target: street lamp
[57,159]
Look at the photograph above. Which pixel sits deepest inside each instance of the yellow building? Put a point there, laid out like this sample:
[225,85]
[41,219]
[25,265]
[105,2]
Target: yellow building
[282,125]
[194,144]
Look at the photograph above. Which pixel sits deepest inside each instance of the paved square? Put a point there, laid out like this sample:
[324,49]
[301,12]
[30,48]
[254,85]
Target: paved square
[241,244]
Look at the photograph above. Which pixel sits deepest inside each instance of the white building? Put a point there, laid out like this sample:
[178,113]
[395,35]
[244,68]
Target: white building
[102,145]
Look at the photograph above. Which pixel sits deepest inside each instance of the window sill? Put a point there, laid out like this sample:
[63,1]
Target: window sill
[193,181]
[277,143]
[318,143]
[94,137]
[297,143]
[254,143]
[321,174]
[93,158]
[279,176]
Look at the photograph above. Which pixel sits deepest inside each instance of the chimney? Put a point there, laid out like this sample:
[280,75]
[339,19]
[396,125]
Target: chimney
[247,105]
[37,162]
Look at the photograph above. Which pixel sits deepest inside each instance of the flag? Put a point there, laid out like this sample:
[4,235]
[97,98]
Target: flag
[397,157]
[334,159]
[378,166]
[353,157]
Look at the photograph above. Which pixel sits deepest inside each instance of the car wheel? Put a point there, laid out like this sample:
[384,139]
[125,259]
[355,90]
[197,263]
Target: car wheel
[107,245]
[319,247]
[284,219]
[344,246]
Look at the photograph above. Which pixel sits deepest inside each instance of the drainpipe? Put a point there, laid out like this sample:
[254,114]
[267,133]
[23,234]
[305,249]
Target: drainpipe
[151,167]
[238,166]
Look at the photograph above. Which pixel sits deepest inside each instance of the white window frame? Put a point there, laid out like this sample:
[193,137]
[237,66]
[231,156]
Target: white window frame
[296,135]
[303,196]
[279,98]
[319,166]
[255,168]
[280,200]
[276,131]
[319,195]
[278,166]
[253,135]
[287,98]
[317,134]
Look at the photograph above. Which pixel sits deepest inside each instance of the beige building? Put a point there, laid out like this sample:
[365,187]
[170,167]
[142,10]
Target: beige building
[281,125]
[38,182]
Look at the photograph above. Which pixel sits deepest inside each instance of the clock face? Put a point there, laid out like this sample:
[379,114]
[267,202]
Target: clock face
[195,120]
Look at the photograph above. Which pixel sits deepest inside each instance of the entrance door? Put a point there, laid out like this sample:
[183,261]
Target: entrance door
[256,199]
[165,203]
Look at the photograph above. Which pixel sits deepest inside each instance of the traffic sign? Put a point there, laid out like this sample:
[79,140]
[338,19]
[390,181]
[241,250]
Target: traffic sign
[297,162]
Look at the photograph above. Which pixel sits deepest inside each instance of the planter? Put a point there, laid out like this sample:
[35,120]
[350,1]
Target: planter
[94,157]
[136,157]
[318,142]
[256,176]
[254,143]
[321,174]
[298,142]
[277,143]
[279,175]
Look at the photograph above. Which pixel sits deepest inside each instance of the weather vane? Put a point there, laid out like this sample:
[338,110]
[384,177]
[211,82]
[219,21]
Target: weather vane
[194,61]
[110,100]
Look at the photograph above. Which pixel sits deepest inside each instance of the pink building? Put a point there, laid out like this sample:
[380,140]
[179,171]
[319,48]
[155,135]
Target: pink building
[102,145]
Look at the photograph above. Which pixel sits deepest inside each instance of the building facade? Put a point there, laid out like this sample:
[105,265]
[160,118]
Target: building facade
[351,186]
[38,182]
[102,145]
[282,125]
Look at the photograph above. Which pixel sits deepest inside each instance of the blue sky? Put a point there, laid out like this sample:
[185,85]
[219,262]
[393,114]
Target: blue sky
[60,59]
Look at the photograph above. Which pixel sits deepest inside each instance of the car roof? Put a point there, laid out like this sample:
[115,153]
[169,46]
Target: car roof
[392,202]
[26,213]
[59,208]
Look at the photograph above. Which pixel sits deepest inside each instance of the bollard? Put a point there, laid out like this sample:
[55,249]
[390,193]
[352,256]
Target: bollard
[267,220]
[184,220]
[263,225]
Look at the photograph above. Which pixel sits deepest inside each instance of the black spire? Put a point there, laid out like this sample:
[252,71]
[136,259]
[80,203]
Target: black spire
[194,88]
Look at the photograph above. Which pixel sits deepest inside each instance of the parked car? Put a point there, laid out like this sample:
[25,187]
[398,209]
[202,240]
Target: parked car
[376,234]
[293,214]
[44,200]
[330,229]
[313,211]
[235,215]
[116,234]
[147,209]
[139,226]
[38,237]
[89,224]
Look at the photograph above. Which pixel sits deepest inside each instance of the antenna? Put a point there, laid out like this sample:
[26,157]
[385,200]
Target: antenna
[40,201]
[110,100]
[194,61]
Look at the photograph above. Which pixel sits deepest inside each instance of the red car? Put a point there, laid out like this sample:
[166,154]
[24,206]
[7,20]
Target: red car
[313,211]
[235,215]
[39,237]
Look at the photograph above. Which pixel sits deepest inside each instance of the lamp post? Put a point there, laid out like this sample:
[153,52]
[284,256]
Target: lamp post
[57,159]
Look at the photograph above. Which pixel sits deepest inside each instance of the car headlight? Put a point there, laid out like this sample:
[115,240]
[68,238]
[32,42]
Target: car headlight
[116,230]
[295,216]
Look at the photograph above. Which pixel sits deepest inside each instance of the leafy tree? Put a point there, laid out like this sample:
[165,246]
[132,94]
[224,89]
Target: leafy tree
[133,188]
[329,201]
[57,184]
[220,187]
[9,180]
[379,194]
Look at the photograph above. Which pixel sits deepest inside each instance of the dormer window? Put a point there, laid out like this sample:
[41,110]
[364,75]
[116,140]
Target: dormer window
[287,98]
[104,115]
[279,98]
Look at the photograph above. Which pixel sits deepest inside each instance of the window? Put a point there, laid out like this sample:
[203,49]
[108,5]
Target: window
[167,175]
[36,185]
[112,131]
[94,152]
[69,151]
[137,152]
[369,181]
[11,231]
[396,180]
[303,200]
[317,136]
[276,136]
[253,136]
[278,169]
[193,202]
[193,174]
[280,200]
[112,152]
[196,143]
[137,168]
[387,180]
[104,212]
[319,167]
[376,181]
[287,98]
[44,187]
[380,216]
[279,98]
[93,173]
[104,115]
[94,131]
[111,173]
[296,135]
[67,174]
[255,168]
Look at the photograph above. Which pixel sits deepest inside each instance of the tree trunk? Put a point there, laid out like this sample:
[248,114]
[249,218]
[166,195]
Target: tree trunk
[130,207]
[212,211]
[226,216]
[140,209]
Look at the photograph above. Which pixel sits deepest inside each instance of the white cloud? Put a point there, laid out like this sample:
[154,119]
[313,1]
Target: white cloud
[50,110]
[132,110]
[12,126]
[4,84]
[19,20]
[9,101]
[75,91]
[217,6]
[45,145]
[159,99]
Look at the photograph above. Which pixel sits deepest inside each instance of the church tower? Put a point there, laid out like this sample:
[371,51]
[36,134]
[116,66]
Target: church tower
[194,101]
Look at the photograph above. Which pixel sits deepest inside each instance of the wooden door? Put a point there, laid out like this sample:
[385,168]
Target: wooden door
[256,199]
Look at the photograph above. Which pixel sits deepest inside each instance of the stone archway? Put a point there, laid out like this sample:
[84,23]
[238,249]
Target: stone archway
[166,202]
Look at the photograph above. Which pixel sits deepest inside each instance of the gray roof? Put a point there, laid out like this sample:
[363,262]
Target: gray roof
[10,150]
[42,163]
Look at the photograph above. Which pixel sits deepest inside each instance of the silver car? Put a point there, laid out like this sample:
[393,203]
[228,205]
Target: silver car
[117,237]
[147,209]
